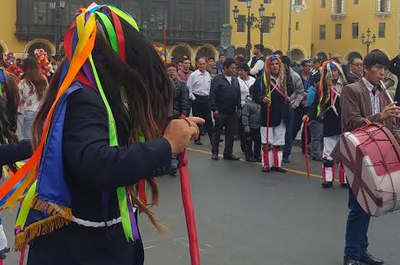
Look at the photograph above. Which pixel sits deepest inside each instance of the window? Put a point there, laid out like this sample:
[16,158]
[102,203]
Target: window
[384,6]
[40,15]
[338,31]
[355,30]
[382,30]
[241,23]
[322,32]
[339,6]
[297,25]
[356,2]
[323,3]
[268,2]
[266,24]
[298,2]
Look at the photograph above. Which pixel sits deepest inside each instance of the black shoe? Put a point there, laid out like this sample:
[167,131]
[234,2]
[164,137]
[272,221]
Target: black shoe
[351,262]
[202,133]
[253,160]
[368,259]
[327,184]
[231,157]
[278,169]
[266,169]
[344,186]
[221,140]
[286,160]
[198,142]
[215,157]
[316,158]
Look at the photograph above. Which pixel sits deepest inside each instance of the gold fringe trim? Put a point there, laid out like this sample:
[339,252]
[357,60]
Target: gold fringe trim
[40,228]
[51,208]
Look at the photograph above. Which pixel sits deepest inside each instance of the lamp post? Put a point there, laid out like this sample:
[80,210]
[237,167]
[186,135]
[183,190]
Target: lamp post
[250,22]
[368,41]
[58,9]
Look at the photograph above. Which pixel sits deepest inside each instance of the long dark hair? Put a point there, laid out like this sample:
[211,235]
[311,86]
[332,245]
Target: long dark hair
[139,92]
[33,76]
[9,110]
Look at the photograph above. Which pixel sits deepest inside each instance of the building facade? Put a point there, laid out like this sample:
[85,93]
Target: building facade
[193,27]
[324,28]
[339,25]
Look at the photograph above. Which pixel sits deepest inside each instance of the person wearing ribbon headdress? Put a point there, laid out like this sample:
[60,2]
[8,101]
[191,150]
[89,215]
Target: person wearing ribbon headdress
[332,82]
[98,136]
[270,91]
[363,103]
[44,64]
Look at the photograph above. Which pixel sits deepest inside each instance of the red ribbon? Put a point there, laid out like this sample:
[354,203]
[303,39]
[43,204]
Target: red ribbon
[306,147]
[189,209]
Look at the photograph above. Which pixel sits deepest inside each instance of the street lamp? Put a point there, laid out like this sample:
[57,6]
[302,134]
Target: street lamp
[368,41]
[250,22]
[58,8]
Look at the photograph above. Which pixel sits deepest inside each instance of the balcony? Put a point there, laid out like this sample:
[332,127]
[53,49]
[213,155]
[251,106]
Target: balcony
[338,16]
[383,14]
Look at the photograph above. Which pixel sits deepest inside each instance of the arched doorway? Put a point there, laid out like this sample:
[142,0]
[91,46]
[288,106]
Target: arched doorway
[322,56]
[297,55]
[267,52]
[205,52]
[179,52]
[39,45]
[353,55]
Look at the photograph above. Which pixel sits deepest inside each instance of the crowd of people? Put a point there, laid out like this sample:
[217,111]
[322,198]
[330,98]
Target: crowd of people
[268,100]
[105,118]
[245,98]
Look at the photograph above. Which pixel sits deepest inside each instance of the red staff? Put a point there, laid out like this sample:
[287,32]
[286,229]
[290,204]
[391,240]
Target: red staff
[189,209]
[306,146]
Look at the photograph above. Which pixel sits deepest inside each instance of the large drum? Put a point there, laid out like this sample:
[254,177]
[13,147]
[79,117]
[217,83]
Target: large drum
[371,157]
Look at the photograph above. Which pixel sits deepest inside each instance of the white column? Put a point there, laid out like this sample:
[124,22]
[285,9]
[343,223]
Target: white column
[342,6]
[378,8]
[333,7]
[389,6]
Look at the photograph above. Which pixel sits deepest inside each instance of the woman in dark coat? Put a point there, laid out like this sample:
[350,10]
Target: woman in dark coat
[76,214]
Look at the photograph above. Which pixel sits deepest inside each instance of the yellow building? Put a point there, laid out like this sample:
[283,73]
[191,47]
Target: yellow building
[8,40]
[322,28]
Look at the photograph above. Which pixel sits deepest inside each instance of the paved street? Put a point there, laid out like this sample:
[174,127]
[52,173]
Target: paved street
[246,217]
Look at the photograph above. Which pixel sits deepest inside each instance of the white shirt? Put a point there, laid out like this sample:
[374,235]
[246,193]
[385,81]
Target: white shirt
[199,84]
[257,67]
[376,105]
[245,88]
[229,78]
[29,97]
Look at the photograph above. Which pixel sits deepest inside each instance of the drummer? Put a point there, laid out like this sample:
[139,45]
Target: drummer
[360,102]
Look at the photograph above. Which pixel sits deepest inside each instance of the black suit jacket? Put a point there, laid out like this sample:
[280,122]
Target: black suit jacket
[92,167]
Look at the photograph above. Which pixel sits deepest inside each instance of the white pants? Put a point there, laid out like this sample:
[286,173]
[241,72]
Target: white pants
[273,151]
[3,239]
[329,166]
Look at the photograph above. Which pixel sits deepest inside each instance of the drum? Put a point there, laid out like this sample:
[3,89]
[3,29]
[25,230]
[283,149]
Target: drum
[371,157]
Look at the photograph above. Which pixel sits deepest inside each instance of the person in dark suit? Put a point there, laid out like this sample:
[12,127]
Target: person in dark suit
[226,105]
[140,94]
[359,101]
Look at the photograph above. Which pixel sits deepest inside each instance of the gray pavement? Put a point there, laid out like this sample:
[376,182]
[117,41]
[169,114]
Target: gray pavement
[247,217]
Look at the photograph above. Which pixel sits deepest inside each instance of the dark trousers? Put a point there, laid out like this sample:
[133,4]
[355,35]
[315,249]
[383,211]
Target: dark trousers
[356,231]
[242,135]
[253,137]
[288,135]
[226,121]
[201,108]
